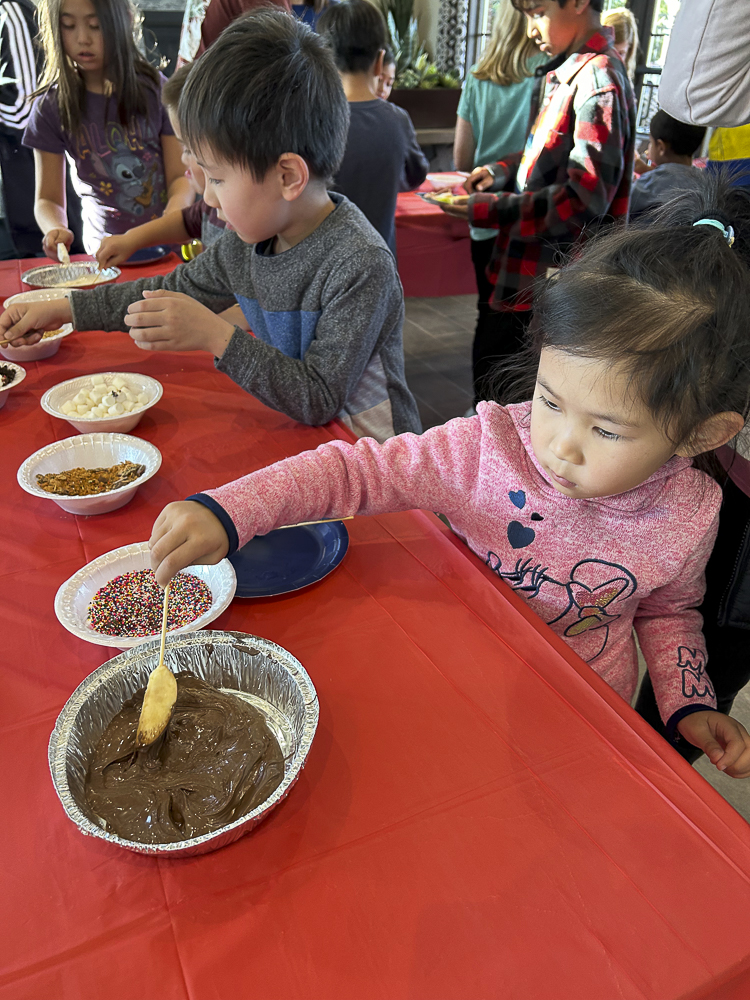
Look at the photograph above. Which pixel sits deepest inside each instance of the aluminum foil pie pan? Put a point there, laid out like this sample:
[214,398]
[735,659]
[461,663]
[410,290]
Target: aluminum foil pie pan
[84,274]
[256,669]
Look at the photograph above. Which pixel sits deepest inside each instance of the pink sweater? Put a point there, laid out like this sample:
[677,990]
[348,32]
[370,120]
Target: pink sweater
[591,569]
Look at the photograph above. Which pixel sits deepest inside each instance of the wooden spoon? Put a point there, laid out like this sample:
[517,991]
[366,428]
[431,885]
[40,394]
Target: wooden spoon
[160,696]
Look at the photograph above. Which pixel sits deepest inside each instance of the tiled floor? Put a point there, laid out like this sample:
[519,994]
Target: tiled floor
[437,348]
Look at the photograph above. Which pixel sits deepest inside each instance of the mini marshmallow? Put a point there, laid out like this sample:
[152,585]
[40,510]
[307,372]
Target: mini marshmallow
[97,380]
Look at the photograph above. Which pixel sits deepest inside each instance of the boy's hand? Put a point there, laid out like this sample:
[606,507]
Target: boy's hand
[55,236]
[172,321]
[114,250]
[480,179]
[24,323]
[725,741]
[459,206]
[184,534]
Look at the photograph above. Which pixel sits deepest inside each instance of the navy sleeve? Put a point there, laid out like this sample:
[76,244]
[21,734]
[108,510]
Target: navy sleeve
[226,522]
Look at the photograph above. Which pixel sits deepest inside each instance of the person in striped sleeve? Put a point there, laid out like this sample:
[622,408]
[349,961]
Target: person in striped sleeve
[574,175]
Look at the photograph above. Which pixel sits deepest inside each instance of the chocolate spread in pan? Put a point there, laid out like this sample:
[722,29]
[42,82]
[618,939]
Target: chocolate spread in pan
[216,761]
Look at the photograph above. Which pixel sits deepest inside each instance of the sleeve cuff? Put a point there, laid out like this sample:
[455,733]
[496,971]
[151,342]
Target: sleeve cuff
[673,734]
[226,522]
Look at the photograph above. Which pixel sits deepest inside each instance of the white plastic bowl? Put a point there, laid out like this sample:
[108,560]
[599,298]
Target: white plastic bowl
[37,352]
[74,596]
[53,399]
[90,451]
[20,376]
[39,295]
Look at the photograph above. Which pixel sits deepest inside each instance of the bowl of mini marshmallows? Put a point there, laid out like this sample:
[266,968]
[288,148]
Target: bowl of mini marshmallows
[110,401]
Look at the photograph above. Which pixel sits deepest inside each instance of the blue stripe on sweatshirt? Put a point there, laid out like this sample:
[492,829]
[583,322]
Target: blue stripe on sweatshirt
[291,332]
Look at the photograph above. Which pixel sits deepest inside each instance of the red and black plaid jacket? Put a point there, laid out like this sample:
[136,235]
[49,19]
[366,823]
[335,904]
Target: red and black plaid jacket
[575,173]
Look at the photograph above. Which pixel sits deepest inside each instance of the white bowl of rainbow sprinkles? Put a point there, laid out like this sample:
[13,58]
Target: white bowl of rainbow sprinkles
[115,600]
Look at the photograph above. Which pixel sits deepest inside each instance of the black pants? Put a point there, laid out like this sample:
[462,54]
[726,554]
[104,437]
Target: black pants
[17,167]
[499,336]
[725,610]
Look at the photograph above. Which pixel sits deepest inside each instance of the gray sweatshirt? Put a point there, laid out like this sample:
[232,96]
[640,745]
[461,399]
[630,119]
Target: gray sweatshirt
[706,78]
[327,317]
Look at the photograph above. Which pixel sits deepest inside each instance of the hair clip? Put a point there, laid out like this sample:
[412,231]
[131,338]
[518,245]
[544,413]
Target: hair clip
[727,231]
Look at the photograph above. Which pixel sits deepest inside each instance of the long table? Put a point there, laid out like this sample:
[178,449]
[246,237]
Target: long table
[434,249]
[480,815]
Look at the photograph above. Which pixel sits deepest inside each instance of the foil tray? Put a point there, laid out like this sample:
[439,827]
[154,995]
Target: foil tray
[256,669]
[84,274]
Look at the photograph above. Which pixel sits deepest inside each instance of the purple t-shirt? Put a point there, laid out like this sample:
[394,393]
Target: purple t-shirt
[120,170]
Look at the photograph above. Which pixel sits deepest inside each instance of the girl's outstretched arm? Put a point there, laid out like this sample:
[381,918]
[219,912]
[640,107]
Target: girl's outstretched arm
[50,210]
[179,192]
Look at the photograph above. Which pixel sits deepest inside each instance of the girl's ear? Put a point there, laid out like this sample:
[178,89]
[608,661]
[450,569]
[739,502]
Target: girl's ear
[712,433]
[294,174]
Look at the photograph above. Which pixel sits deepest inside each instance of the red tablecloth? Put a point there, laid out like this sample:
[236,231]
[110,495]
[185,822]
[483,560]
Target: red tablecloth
[480,816]
[434,249]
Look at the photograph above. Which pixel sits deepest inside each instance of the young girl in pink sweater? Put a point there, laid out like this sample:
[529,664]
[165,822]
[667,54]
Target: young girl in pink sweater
[586,499]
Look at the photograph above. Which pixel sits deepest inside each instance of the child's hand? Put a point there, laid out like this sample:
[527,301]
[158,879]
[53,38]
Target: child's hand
[55,236]
[172,321]
[458,206]
[480,179]
[114,250]
[184,534]
[725,741]
[23,323]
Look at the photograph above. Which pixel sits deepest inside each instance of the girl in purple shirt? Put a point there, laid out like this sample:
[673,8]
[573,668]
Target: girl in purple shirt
[100,105]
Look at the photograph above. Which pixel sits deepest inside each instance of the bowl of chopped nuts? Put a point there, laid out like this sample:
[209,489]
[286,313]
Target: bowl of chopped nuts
[90,473]
[44,348]
[109,401]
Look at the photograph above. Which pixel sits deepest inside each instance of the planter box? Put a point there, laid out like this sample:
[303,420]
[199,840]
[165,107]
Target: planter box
[429,108]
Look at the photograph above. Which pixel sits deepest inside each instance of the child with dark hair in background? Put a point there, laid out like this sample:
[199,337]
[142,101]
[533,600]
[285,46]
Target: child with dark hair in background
[584,500]
[388,77]
[100,106]
[197,222]
[264,113]
[382,153]
[671,149]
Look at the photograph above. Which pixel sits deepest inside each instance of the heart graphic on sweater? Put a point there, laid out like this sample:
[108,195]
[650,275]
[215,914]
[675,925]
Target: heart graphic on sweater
[518,498]
[518,536]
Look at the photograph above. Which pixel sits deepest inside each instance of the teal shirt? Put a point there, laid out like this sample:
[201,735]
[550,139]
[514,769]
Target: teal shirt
[499,119]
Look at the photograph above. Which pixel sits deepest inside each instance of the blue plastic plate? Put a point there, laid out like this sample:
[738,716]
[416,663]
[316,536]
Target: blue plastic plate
[289,559]
[147,255]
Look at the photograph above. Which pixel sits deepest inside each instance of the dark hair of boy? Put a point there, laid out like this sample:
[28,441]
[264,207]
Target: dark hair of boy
[126,69]
[682,284]
[526,6]
[682,139]
[172,89]
[356,33]
[267,86]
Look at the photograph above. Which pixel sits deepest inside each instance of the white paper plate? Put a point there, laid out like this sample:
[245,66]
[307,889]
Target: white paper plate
[90,451]
[39,295]
[53,399]
[73,598]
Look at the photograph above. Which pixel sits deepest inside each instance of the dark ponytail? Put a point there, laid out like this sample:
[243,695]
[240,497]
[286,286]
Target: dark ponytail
[666,301]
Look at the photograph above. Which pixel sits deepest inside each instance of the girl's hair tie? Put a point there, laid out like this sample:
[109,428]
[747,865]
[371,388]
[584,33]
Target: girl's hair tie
[726,231]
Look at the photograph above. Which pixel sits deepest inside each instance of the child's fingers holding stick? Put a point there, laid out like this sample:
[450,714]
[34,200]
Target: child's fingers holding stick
[725,741]
[24,323]
[184,534]
[172,321]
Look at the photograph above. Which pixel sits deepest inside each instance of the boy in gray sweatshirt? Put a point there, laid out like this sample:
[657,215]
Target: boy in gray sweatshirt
[265,115]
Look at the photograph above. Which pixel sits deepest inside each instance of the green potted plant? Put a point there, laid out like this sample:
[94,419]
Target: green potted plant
[421,88]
